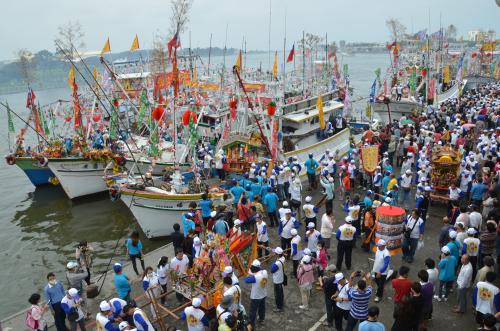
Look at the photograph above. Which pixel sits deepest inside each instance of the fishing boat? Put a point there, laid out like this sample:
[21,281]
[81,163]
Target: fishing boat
[389,110]
[36,169]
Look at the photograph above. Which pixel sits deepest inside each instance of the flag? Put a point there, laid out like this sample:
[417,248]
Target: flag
[347,102]
[412,81]
[446,74]
[106,48]
[275,66]
[346,69]
[10,123]
[174,43]
[377,74]
[30,98]
[438,35]
[94,73]
[135,44]
[291,54]
[71,76]
[372,91]
[77,109]
[420,35]
[238,62]
[321,114]
[195,75]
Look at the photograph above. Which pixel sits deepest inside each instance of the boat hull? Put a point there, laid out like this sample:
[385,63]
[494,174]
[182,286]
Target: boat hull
[37,174]
[157,214]
[397,108]
[79,178]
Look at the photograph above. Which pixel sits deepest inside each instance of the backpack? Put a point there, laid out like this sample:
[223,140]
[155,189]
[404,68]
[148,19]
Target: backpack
[31,322]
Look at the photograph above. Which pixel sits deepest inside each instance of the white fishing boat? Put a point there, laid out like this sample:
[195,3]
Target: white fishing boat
[452,92]
[79,177]
[394,110]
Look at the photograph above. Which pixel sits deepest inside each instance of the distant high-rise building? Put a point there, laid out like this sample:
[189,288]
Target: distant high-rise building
[481,36]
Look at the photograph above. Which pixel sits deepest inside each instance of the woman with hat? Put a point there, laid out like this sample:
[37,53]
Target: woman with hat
[305,278]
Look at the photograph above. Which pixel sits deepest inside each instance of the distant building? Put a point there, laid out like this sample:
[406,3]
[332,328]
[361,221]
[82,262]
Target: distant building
[479,36]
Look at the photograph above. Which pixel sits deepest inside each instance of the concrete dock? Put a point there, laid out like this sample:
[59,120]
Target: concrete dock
[294,318]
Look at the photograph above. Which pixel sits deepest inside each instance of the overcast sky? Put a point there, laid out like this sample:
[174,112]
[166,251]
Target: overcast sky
[32,24]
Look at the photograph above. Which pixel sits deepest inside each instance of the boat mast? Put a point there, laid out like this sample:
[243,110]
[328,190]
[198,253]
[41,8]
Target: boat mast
[269,39]
[209,53]
[303,63]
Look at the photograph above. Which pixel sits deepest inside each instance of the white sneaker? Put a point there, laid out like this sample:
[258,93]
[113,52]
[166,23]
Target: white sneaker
[445,299]
[303,307]
[377,299]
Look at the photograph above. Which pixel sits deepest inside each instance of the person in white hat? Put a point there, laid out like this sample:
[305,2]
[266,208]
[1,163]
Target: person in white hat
[377,180]
[71,304]
[286,225]
[196,248]
[194,316]
[381,267]
[312,237]
[262,236]
[236,229]
[283,210]
[229,272]
[124,326]
[279,279]
[413,232]
[305,278]
[345,236]
[75,277]
[342,300]
[447,267]
[329,187]
[296,254]
[405,180]
[258,278]
[309,210]
[423,202]
[454,245]
[471,248]
[104,319]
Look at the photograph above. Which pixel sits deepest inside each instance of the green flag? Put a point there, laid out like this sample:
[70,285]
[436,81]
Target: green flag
[113,133]
[377,73]
[346,69]
[413,81]
[143,107]
[10,123]
[153,141]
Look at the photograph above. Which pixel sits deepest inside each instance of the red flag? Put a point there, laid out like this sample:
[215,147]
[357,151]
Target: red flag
[30,99]
[174,43]
[77,109]
[291,54]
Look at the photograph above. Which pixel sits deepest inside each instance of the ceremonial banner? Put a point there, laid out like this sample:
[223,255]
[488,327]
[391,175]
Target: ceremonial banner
[446,74]
[321,114]
[369,157]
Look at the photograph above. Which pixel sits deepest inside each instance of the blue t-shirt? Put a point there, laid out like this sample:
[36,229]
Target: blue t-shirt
[478,190]
[271,201]
[371,326]
[311,165]
[447,269]
[133,250]
[237,191]
[122,285]
[206,207]
[368,202]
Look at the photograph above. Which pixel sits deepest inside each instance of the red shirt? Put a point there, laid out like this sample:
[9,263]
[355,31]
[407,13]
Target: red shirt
[347,183]
[402,287]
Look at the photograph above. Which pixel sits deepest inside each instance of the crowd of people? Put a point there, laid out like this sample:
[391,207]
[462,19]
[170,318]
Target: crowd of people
[274,204]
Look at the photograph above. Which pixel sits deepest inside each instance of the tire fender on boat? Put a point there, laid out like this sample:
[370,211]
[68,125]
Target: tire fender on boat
[42,161]
[114,192]
[10,159]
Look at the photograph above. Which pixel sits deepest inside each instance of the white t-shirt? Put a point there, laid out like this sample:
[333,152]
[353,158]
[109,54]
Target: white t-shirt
[193,318]
[312,240]
[475,220]
[259,288]
[379,261]
[354,212]
[235,292]
[309,210]
[433,277]
[278,275]
[326,226]
[344,294]
[486,293]
[180,266]
[162,273]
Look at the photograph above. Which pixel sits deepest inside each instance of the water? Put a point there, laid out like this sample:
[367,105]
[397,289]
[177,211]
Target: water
[40,227]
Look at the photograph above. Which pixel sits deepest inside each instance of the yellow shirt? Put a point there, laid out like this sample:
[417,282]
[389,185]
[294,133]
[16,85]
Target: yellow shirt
[392,182]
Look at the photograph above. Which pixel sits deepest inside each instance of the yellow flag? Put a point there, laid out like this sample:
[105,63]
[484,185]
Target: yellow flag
[275,66]
[238,62]
[94,73]
[106,48]
[321,114]
[195,75]
[446,74]
[71,76]
[135,44]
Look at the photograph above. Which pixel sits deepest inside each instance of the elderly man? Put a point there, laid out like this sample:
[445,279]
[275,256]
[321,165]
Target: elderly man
[464,281]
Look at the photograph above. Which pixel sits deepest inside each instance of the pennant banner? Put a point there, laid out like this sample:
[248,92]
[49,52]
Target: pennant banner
[135,44]
[106,48]
[369,157]
[321,114]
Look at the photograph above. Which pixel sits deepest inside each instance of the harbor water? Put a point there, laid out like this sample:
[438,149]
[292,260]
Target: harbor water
[41,227]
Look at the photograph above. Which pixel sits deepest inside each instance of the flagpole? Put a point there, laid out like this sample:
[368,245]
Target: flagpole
[209,53]
[303,63]
[269,39]
[284,65]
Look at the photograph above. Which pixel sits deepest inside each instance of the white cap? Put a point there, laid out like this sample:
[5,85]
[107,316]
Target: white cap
[308,199]
[285,203]
[471,231]
[228,270]
[348,219]
[381,242]
[256,263]
[104,306]
[196,241]
[408,172]
[278,250]
[338,277]
[388,200]
[310,225]
[452,234]
[73,292]
[428,189]
[237,222]
[196,302]
[330,179]
[213,213]
[123,325]
[293,232]
[71,265]
[445,250]
[306,259]
[307,251]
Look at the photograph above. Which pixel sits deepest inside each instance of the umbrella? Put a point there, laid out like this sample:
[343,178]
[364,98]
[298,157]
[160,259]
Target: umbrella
[407,122]
[468,125]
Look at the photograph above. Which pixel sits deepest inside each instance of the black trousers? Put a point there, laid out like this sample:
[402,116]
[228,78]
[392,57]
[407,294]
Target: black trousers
[59,317]
[262,251]
[286,243]
[273,218]
[340,314]
[134,265]
[295,267]
[279,296]
[329,205]
[330,309]
[344,249]
[380,285]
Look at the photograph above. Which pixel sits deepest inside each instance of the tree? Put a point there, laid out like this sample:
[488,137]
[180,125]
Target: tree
[179,17]
[69,39]
[159,53]
[26,65]
[451,32]
[396,29]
